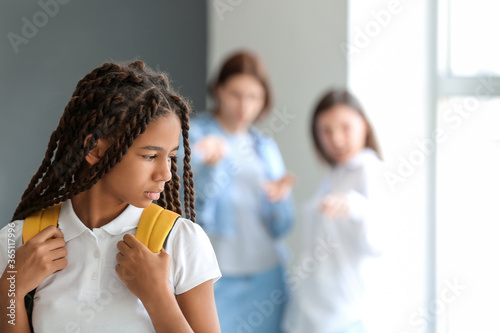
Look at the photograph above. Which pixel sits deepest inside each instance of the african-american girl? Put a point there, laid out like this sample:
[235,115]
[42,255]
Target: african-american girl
[112,155]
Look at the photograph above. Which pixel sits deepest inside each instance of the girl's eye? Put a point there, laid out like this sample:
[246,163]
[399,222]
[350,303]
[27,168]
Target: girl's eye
[325,131]
[150,157]
[255,97]
[235,94]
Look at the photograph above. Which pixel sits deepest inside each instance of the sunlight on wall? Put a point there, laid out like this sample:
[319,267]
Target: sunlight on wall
[387,71]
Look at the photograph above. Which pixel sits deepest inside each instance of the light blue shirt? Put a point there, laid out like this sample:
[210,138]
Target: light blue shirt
[243,226]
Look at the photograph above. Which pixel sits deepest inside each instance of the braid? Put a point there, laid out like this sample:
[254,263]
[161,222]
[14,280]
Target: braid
[189,195]
[169,198]
[182,111]
[54,138]
[114,102]
[165,197]
[174,189]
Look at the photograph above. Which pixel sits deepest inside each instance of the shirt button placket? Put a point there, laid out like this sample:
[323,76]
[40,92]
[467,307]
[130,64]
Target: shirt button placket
[97,254]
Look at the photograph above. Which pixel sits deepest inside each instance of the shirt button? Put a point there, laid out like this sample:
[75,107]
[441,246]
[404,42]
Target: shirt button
[93,276]
[96,253]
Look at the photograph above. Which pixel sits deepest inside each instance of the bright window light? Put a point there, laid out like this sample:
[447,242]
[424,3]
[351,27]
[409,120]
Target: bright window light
[474,29]
[468,183]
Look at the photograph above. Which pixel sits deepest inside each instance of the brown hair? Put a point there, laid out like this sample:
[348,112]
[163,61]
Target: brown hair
[244,62]
[341,97]
[116,101]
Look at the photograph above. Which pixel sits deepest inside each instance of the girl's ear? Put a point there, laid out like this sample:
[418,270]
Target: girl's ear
[98,150]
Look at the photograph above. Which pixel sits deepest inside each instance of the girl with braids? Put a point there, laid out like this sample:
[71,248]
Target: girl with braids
[243,197]
[112,154]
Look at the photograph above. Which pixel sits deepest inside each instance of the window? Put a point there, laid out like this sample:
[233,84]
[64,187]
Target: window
[468,215]
[473,32]
[467,182]
[428,74]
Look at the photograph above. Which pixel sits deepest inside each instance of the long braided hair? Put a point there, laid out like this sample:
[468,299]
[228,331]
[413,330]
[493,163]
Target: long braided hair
[116,101]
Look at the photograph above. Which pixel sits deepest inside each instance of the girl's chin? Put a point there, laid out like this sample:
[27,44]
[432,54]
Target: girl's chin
[141,203]
[342,158]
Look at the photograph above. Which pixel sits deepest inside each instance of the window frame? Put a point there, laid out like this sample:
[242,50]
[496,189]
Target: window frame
[442,83]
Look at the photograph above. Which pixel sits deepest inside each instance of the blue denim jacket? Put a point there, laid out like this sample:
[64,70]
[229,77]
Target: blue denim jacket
[213,208]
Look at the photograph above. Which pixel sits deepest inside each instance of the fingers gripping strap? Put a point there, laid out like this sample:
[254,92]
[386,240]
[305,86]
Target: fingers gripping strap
[154,226]
[38,221]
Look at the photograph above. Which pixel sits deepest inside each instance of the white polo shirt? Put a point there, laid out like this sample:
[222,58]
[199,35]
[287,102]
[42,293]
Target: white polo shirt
[88,296]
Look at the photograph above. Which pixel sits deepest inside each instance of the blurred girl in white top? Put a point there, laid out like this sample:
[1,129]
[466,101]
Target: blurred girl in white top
[327,294]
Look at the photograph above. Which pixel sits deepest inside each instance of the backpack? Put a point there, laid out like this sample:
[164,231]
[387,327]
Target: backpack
[153,230]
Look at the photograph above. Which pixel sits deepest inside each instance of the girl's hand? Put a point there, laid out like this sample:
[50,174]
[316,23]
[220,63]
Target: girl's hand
[280,189]
[213,148]
[143,272]
[39,258]
[335,206]
[146,275]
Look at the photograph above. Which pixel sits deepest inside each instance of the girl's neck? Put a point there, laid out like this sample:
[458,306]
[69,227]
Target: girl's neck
[230,127]
[353,159]
[94,209]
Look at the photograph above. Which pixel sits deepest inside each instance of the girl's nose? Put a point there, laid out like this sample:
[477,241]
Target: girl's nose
[163,172]
[337,139]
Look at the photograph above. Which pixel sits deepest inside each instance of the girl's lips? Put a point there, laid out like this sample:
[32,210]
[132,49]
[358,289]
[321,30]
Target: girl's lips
[341,155]
[153,195]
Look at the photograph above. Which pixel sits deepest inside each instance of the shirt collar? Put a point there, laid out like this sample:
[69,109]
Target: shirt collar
[72,226]
[359,159]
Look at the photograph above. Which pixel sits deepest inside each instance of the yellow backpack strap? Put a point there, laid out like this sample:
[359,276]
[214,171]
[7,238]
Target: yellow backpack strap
[40,220]
[154,226]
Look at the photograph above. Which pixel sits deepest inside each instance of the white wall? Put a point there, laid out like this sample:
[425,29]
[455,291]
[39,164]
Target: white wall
[299,42]
[388,71]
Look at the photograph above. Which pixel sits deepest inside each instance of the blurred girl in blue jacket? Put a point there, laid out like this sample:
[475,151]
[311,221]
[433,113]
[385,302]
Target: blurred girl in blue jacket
[243,199]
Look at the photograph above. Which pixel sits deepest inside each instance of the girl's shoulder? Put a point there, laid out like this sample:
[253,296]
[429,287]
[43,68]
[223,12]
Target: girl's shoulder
[372,164]
[193,258]
[258,134]
[367,158]
[11,237]
[188,236]
[12,230]
[187,229]
[11,224]
[370,155]
[203,123]
[203,119]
